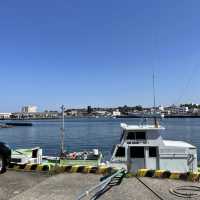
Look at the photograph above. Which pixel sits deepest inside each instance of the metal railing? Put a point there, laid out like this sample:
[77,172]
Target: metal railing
[94,190]
[136,141]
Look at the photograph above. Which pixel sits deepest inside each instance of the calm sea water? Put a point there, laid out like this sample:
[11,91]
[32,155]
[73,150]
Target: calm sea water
[86,134]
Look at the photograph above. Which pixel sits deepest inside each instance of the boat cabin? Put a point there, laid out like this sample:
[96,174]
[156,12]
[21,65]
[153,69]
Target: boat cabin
[143,147]
[27,156]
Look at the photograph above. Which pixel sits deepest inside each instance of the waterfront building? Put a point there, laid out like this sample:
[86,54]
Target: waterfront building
[35,115]
[71,112]
[161,108]
[5,115]
[100,113]
[179,110]
[49,114]
[116,113]
[195,110]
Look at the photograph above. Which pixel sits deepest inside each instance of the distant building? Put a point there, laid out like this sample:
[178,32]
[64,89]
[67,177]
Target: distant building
[5,115]
[100,112]
[29,109]
[176,110]
[89,109]
[35,115]
[71,112]
[116,113]
[161,108]
[195,110]
[47,114]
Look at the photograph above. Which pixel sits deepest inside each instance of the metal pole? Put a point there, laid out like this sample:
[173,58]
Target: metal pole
[154,93]
[62,131]
[154,101]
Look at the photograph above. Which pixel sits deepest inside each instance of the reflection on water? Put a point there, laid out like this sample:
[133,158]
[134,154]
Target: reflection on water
[82,134]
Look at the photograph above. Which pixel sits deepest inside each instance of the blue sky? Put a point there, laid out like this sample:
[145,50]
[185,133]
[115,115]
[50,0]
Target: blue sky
[99,53]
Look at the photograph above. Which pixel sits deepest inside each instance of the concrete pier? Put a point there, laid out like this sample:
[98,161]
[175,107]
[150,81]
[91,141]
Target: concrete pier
[132,189]
[68,186]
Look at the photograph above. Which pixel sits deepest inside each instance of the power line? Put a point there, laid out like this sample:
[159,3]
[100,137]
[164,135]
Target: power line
[185,88]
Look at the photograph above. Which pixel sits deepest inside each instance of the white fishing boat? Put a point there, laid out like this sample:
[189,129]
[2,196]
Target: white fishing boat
[142,146]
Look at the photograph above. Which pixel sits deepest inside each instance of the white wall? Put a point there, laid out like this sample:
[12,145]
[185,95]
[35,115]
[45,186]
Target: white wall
[174,165]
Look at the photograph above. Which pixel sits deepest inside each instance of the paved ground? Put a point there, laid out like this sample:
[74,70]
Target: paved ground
[40,186]
[13,183]
[162,186]
[36,186]
[132,189]
[60,187]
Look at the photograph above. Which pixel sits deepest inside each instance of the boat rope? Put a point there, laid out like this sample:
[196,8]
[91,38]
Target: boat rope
[154,192]
[106,184]
[186,191]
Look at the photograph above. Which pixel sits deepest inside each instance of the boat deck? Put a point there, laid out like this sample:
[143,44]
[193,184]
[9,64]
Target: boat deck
[73,162]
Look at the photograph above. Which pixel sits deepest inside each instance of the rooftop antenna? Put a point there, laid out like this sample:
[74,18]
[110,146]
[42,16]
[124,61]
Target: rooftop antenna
[156,124]
[62,132]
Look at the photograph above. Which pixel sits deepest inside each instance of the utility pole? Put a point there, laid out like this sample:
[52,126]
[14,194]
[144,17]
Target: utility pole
[62,132]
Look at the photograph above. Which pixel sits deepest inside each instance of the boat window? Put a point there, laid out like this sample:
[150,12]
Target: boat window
[131,136]
[34,153]
[136,136]
[140,135]
[120,152]
[152,152]
[137,152]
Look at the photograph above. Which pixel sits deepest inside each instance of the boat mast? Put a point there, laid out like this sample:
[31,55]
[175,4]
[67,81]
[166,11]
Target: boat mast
[154,102]
[62,132]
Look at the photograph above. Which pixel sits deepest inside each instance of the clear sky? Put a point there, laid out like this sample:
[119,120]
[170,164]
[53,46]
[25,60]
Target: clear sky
[98,52]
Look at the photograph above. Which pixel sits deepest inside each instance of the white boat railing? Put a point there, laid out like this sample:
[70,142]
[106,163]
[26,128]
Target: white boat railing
[136,141]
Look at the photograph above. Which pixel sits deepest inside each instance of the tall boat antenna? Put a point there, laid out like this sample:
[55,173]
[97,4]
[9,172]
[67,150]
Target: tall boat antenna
[62,132]
[154,102]
[154,93]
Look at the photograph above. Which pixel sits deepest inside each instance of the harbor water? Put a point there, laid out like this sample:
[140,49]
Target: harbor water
[89,133]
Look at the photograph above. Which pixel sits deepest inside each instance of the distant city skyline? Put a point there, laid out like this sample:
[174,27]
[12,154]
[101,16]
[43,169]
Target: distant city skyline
[34,108]
[98,53]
